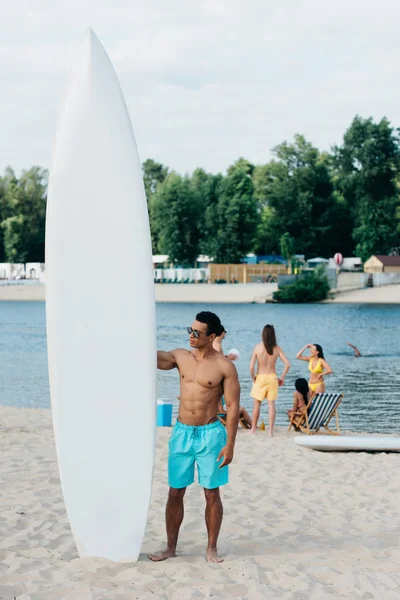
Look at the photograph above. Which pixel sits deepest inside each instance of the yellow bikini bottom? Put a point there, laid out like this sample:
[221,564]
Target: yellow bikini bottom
[313,386]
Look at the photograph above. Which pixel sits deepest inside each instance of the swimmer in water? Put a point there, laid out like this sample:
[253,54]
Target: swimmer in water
[357,353]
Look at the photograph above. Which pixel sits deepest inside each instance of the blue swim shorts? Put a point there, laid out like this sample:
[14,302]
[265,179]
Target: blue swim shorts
[197,445]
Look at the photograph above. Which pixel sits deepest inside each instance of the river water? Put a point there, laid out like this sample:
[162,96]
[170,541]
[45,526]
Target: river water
[371,383]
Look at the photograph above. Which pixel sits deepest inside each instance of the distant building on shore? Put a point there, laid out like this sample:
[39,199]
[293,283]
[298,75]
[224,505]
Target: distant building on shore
[161,261]
[312,263]
[12,271]
[350,263]
[270,259]
[379,263]
[19,271]
[35,271]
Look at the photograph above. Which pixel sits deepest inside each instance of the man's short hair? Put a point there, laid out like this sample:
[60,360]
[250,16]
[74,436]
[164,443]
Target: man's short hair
[212,321]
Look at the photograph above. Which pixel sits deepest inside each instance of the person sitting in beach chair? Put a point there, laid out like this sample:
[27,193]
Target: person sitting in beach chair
[320,410]
[301,398]
[244,417]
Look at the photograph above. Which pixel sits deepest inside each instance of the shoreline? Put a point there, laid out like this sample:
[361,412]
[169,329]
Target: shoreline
[319,530]
[227,293]
[385,294]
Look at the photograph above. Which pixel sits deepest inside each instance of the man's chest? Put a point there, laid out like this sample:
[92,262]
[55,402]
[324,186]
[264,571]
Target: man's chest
[205,373]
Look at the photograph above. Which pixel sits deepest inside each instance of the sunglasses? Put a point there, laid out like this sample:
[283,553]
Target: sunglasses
[195,332]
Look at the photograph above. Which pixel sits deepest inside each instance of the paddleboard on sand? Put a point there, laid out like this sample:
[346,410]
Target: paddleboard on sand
[100,314]
[348,443]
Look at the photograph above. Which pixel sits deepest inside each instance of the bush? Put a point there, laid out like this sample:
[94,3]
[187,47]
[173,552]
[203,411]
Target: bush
[312,287]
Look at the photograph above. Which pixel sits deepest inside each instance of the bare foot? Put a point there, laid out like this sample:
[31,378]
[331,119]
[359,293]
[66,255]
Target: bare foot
[253,430]
[270,434]
[212,556]
[167,553]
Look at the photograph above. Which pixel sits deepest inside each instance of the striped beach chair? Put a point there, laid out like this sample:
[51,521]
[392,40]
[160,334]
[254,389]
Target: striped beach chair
[321,409]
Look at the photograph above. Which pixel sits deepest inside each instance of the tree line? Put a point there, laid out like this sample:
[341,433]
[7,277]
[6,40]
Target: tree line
[303,201]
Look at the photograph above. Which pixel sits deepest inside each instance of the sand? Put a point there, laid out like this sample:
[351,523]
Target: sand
[298,525]
[227,293]
[19,291]
[385,294]
[235,293]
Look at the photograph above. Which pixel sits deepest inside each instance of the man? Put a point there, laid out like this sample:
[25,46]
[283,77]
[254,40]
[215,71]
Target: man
[198,437]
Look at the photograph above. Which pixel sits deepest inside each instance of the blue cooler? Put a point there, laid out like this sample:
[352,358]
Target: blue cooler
[164,414]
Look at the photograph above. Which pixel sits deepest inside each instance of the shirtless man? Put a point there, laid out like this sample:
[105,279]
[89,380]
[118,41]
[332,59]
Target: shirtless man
[266,382]
[198,437]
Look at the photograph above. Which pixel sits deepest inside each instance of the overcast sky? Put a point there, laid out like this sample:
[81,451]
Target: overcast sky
[206,81]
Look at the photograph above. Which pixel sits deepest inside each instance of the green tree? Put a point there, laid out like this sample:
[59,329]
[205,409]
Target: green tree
[242,164]
[367,166]
[2,217]
[287,249]
[232,221]
[32,207]
[13,229]
[295,194]
[8,185]
[175,217]
[208,189]
[23,215]
[154,174]
[311,287]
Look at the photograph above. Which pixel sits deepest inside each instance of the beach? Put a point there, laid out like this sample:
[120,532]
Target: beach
[222,293]
[385,294]
[167,292]
[298,525]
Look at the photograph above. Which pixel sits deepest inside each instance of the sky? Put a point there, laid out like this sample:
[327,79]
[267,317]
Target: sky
[205,81]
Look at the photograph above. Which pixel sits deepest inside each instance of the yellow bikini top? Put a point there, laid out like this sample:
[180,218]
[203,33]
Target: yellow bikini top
[318,367]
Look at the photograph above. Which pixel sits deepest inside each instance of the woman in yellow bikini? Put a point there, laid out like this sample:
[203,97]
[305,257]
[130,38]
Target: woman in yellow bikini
[317,366]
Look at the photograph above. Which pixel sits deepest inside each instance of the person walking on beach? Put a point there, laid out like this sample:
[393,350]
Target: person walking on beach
[317,366]
[198,438]
[266,382]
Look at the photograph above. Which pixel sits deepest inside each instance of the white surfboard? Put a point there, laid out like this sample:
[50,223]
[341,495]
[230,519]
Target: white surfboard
[348,443]
[100,312]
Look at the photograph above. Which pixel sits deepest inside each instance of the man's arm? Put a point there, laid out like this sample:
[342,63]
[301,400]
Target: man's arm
[166,360]
[232,400]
